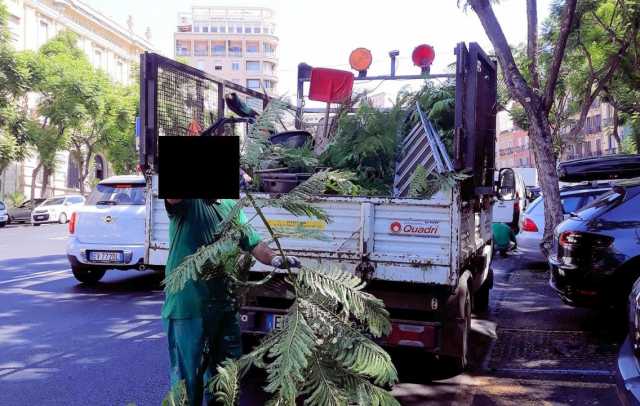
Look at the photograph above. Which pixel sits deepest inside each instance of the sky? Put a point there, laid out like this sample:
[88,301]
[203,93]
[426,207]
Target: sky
[323,32]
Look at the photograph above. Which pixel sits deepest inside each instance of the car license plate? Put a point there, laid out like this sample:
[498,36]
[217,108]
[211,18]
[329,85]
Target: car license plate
[274,322]
[40,217]
[112,257]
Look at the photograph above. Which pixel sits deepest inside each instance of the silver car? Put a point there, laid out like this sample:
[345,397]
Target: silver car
[532,223]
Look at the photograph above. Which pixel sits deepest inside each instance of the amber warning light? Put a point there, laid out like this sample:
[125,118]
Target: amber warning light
[360,60]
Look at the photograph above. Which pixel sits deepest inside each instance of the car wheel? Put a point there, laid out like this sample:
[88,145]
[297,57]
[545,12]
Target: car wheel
[36,224]
[4,223]
[62,218]
[88,276]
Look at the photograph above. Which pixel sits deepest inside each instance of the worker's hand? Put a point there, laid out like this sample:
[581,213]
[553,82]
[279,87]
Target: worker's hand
[280,263]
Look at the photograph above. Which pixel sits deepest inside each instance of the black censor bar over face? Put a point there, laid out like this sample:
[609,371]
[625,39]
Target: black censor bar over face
[198,167]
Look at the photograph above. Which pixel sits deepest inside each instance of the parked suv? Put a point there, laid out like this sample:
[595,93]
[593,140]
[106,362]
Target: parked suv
[4,217]
[56,209]
[628,372]
[108,231]
[22,213]
[595,257]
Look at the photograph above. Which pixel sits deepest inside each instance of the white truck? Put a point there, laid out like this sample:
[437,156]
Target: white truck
[428,259]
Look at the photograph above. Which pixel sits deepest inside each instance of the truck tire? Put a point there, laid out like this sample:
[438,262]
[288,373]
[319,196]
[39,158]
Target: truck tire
[481,297]
[88,276]
[457,326]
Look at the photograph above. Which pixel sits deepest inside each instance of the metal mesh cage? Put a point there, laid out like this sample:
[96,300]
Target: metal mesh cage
[187,104]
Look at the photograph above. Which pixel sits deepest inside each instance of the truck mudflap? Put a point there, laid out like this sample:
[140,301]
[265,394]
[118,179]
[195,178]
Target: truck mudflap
[404,333]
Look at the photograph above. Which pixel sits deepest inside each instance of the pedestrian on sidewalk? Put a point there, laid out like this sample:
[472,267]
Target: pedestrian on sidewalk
[202,320]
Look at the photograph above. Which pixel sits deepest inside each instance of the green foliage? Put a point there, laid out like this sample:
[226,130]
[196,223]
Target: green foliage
[177,396]
[424,185]
[366,142]
[15,199]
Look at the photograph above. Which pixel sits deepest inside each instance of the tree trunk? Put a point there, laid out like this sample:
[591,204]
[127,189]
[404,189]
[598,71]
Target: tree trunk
[540,133]
[34,175]
[46,173]
[614,132]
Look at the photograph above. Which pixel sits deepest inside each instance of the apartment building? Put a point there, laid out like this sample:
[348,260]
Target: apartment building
[513,149]
[596,137]
[235,43]
[109,45]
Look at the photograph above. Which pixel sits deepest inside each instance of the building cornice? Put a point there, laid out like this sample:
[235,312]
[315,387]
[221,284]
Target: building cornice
[95,16]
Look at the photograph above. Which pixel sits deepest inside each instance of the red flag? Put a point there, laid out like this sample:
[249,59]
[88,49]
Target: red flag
[330,85]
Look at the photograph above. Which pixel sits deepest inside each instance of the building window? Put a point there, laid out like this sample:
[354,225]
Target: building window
[247,30]
[238,30]
[73,174]
[205,28]
[268,84]
[235,66]
[235,48]
[256,30]
[183,48]
[252,47]
[597,121]
[214,28]
[268,49]
[120,71]
[97,58]
[218,67]
[196,28]
[268,67]
[253,84]
[223,29]
[599,146]
[99,167]
[217,48]
[587,146]
[253,66]
[201,48]
[43,33]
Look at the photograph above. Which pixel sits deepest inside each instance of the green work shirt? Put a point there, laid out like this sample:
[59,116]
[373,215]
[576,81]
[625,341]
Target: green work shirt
[194,223]
[502,235]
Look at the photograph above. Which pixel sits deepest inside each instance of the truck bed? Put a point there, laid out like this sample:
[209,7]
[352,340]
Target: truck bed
[405,240]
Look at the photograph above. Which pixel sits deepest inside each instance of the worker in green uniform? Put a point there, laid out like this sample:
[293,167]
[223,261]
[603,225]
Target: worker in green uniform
[503,238]
[204,314]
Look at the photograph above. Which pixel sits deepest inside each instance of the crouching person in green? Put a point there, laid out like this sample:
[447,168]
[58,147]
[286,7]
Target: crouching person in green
[204,314]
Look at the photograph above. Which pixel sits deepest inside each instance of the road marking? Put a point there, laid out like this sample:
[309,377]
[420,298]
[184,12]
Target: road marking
[587,372]
[37,275]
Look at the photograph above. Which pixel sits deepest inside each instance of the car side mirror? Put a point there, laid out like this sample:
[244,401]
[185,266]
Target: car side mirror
[506,184]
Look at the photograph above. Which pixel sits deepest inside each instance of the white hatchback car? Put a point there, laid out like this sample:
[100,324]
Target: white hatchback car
[4,216]
[56,209]
[108,231]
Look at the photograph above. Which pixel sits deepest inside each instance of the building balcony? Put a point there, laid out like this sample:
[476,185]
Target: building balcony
[237,54]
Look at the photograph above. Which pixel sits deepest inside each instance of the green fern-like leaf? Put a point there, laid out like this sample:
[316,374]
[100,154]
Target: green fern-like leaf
[290,355]
[226,383]
[323,384]
[177,396]
[209,261]
[346,289]
[348,346]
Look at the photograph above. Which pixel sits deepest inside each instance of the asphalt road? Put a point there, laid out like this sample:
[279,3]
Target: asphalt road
[65,344]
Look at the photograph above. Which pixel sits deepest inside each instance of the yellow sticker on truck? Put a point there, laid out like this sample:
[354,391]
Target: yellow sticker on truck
[308,224]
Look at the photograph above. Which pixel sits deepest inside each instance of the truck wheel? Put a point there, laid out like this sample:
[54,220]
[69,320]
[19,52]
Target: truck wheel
[457,327]
[481,297]
[87,275]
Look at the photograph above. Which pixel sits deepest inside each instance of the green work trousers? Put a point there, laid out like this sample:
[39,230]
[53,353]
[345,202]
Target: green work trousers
[218,330]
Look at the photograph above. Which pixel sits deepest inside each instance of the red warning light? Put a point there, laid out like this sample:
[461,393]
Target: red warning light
[423,56]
